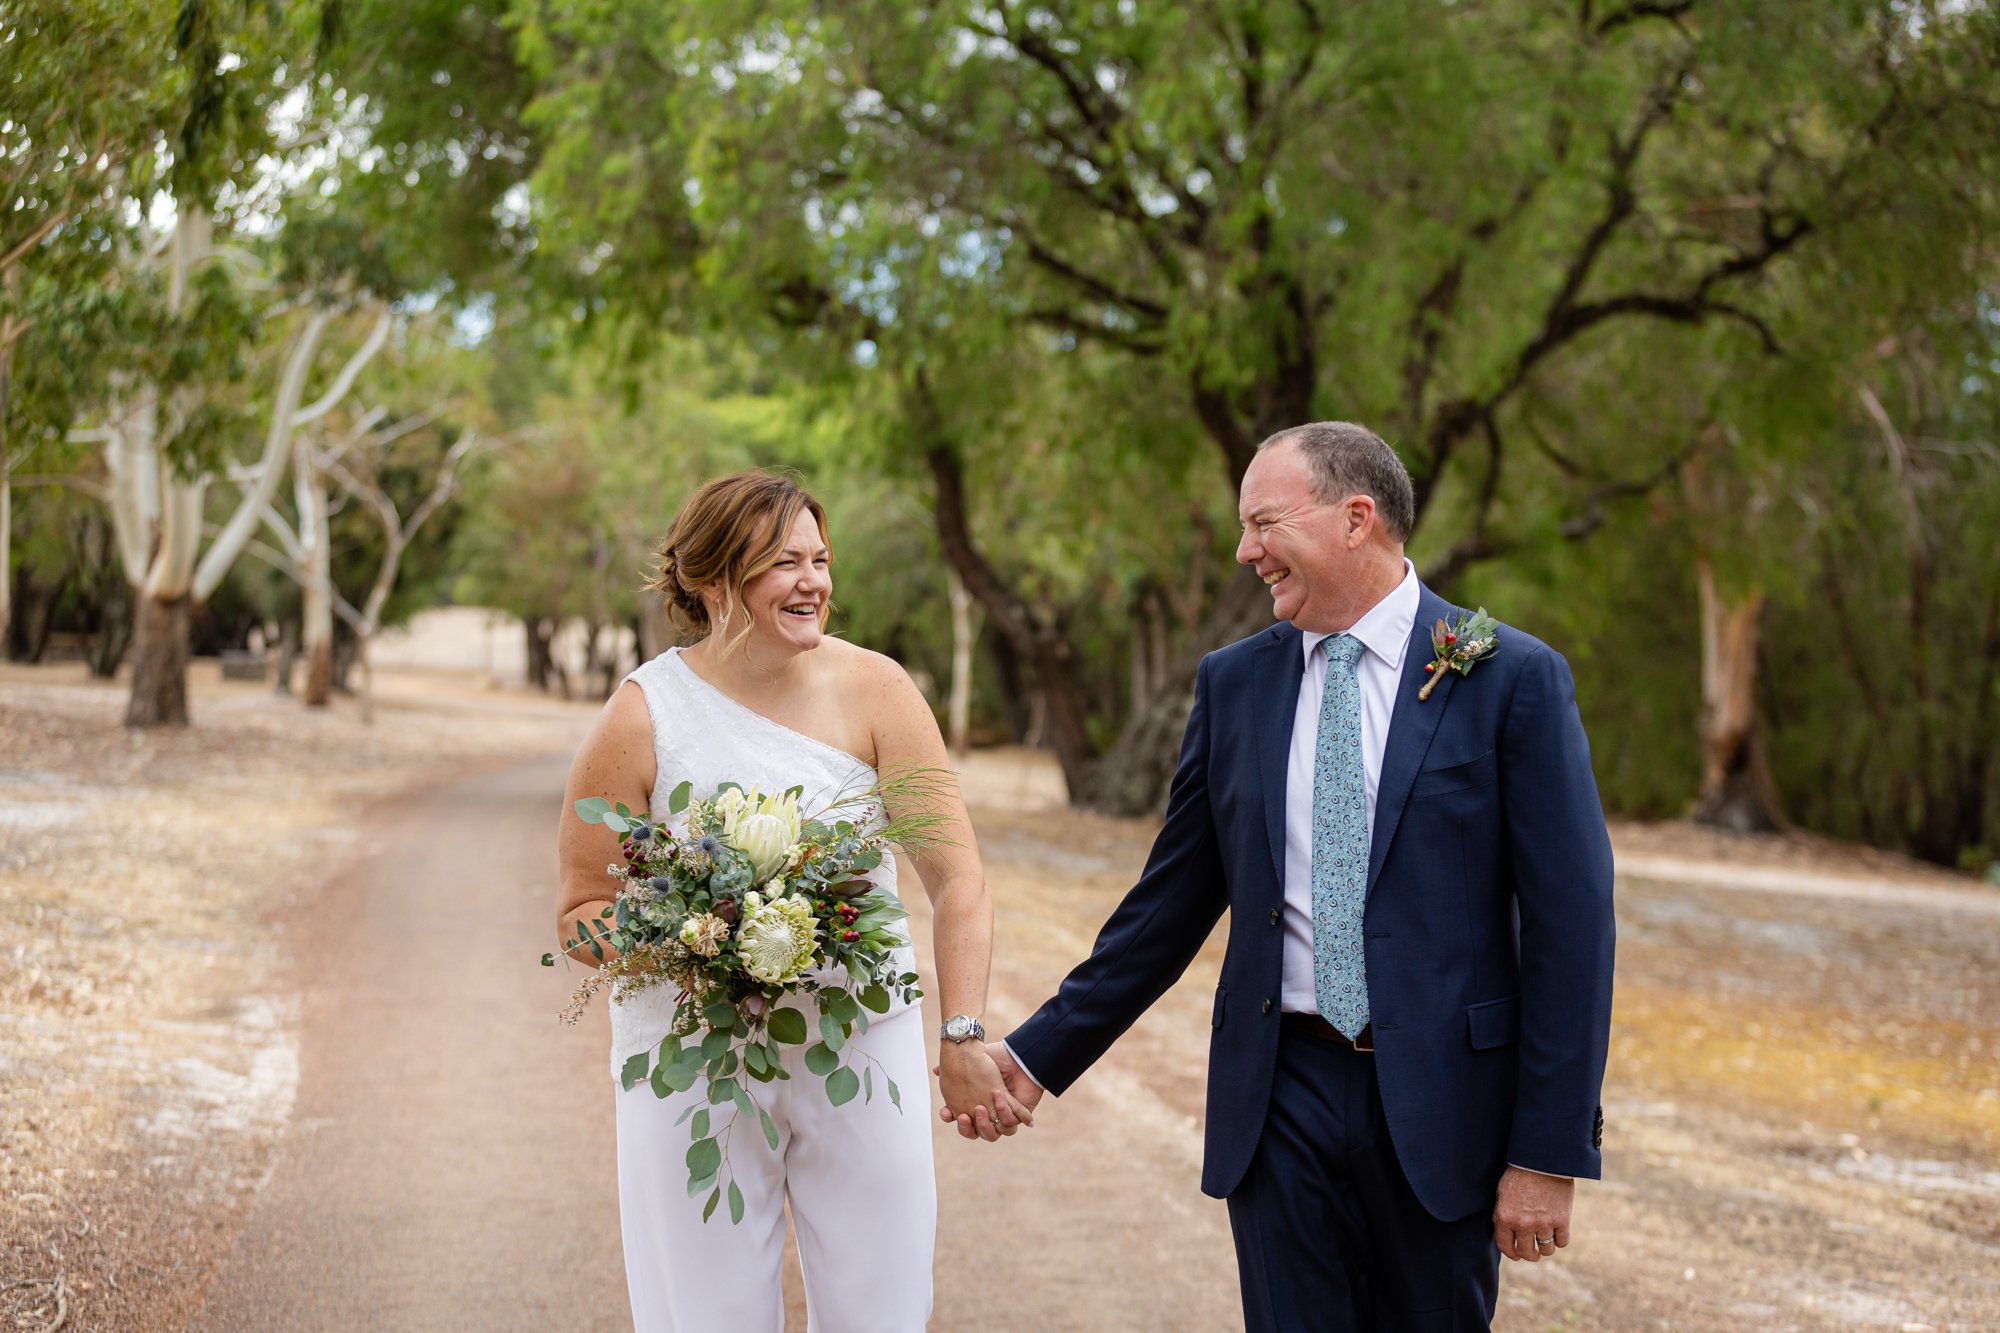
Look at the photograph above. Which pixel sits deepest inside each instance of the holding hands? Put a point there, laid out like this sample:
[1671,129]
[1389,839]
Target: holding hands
[985,1092]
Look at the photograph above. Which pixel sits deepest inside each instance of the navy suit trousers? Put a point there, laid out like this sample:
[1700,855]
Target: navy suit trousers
[1329,1235]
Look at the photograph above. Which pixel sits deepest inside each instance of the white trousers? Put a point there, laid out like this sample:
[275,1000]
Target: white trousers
[860,1181]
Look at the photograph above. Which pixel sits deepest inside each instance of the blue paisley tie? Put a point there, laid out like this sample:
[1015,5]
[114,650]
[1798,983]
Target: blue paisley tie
[1340,843]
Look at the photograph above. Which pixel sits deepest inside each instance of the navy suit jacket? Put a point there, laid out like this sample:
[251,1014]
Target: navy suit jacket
[1487,932]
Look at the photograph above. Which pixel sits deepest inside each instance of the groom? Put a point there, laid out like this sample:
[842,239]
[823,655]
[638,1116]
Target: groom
[1410,1031]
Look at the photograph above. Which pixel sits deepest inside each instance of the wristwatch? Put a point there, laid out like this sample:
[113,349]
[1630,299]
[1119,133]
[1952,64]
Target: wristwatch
[960,1027]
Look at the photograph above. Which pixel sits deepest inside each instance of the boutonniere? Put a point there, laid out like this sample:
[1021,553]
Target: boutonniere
[1460,647]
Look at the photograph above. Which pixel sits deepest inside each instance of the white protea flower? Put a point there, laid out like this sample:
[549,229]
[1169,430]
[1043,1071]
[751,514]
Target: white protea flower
[777,939]
[764,828]
[727,809]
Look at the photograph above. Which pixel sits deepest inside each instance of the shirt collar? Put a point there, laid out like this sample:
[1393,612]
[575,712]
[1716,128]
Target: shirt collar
[1385,629]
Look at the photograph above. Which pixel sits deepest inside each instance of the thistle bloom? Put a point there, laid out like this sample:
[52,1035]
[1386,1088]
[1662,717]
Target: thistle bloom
[778,938]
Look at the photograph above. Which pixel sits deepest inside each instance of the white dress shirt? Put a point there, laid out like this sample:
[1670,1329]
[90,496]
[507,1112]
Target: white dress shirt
[1384,630]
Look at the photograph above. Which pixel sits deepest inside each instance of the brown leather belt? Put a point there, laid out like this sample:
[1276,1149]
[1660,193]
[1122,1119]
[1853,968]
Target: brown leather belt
[1313,1025]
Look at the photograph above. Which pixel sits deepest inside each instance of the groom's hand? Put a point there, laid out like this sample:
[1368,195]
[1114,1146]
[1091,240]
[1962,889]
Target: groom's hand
[1022,1094]
[1530,1208]
[971,1080]
[1024,1089]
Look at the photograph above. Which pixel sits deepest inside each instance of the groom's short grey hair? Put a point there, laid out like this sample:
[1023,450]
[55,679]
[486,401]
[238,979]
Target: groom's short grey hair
[1347,459]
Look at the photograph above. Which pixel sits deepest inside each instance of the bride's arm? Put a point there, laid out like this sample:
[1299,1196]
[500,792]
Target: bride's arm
[906,737]
[615,762]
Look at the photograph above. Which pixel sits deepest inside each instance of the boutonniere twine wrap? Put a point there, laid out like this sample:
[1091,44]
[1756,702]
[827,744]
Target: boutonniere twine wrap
[1460,647]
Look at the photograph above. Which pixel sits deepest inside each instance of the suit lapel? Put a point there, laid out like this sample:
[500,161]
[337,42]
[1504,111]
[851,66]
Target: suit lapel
[1281,666]
[1412,725]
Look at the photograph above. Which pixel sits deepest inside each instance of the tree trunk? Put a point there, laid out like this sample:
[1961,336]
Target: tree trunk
[1008,679]
[285,654]
[159,663]
[1736,788]
[367,677]
[538,653]
[8,335]
[651,626]
[1042,642]
[964,634]
[316,536]
[6,517]
[1139,767]
[114,630]
[318,692]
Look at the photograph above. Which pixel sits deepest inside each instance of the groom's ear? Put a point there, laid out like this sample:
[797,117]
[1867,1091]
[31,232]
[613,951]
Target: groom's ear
[1360,518]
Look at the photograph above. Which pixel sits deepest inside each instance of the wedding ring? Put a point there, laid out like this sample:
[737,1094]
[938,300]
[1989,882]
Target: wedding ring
[1545,1240]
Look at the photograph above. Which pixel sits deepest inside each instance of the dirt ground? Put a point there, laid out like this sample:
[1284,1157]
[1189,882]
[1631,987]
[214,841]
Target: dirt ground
[154,893]
[222,1083]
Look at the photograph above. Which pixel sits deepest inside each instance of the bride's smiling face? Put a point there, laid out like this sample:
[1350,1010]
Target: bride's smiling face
[788,602]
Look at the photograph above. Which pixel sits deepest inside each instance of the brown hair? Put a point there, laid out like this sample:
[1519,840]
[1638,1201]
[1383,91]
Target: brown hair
[728,532]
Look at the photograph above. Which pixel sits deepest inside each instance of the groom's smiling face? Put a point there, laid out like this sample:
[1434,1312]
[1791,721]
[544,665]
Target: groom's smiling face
[1304,549]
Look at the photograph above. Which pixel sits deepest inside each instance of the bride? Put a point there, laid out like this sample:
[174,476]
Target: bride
[766,697]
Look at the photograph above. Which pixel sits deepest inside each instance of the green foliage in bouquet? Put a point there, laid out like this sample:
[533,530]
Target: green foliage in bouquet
[751,910]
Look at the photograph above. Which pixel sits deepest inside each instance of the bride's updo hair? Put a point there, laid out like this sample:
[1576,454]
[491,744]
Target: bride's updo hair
[728,532]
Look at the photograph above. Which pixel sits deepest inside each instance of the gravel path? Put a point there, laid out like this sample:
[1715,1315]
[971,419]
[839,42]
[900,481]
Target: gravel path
[450,1160]
[1803,1108]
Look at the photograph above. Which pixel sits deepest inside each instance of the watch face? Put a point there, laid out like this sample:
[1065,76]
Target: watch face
[958,1027]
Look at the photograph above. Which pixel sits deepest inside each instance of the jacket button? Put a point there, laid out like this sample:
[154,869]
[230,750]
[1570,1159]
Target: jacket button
[1275,916]
[1267,1006]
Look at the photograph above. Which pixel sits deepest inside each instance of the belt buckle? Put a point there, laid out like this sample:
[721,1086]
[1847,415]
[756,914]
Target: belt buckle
[1366,1034]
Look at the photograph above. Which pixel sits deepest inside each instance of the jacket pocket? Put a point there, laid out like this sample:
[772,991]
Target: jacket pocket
[1478,772]
[1215,1019]
[1493,1023]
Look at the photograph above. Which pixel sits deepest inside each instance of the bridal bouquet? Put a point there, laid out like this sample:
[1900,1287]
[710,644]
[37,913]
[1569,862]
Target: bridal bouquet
[754,903]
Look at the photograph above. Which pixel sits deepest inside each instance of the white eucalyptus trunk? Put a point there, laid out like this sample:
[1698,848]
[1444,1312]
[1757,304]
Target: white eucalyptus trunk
[315,541]
[160,611]
[964,634]
[1735,786]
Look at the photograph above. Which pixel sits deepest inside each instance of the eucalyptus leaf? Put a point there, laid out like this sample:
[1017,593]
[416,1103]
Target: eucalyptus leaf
[704,1157]
[841,1085]
[788,1026]
[633,1070]
[735,1204]
[822,1059]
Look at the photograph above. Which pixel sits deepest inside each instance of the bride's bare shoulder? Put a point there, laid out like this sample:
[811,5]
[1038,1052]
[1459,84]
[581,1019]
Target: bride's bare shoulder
[873,679]
[864,670]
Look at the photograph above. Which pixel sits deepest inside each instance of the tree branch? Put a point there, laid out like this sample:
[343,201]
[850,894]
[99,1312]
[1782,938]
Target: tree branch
[33,239]
[1671,10]
[344,381]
